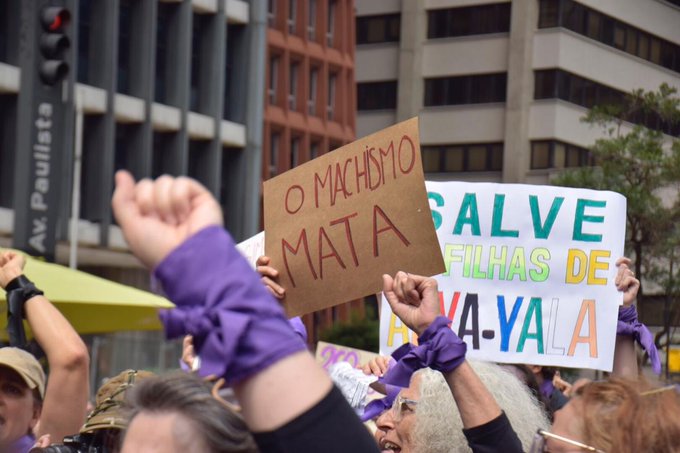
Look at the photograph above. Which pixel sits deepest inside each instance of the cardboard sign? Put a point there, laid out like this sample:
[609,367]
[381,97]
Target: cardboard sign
[328,354]
[529,272]
[336,224]
[252,248]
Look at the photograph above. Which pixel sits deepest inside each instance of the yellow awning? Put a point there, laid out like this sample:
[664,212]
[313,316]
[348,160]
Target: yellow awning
[91,304]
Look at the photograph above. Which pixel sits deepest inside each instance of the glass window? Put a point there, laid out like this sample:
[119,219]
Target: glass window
[431,159]
[474,89]
[496,161]
[330,99]
[330,30]
[548,14]
[274,146]
[314,149]
[294,152]
[594,22]
[377,95]
[472,20]
[313,87]
[544,84]
[273,78]
[293,86]
[573,157]
[377,29]
[271,12]
[540,155]
[292,17]
[583,20]
[559,155]
[454,158]
[476,157]
[643,46]
[311,20]
[631,40]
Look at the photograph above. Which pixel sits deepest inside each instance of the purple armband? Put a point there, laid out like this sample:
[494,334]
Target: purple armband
[238,328]
[628,324]
[438,348]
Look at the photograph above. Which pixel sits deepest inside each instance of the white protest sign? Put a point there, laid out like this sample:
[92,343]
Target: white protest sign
[252,248]
[530,272]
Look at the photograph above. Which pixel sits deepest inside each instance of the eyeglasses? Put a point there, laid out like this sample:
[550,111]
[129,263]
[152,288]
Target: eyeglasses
[402,405]
[540,444]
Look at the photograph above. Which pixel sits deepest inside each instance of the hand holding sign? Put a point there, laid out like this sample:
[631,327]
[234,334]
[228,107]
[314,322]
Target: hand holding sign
[413,298]
[626,281]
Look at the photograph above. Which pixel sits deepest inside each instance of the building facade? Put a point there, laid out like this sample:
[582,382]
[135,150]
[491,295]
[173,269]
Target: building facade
[500,86]
[163,87]
[310,106]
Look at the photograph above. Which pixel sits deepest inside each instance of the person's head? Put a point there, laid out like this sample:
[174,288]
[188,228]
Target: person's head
[620,415]
[22,388]
[425,407]
[177,413]
[433,425]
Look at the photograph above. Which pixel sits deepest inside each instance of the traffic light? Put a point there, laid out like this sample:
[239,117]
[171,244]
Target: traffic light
[54,44]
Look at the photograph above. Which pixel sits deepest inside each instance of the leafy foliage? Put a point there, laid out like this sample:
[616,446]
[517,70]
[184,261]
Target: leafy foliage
[643,164]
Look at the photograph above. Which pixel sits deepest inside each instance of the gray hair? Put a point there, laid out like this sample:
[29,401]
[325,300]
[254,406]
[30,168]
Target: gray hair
[215,428]
[439,428]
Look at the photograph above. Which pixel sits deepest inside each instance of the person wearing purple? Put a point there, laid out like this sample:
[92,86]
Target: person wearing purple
[174,226]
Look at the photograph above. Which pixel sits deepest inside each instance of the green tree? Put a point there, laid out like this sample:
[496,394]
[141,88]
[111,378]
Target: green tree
[360,332]
[643,164]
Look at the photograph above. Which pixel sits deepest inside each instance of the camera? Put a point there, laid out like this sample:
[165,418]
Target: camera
[99,441]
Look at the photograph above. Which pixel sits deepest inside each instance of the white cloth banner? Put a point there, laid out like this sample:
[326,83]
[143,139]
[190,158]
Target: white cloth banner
[530,272]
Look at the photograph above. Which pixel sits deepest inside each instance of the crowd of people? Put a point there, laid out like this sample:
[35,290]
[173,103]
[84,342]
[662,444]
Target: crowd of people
[279,399]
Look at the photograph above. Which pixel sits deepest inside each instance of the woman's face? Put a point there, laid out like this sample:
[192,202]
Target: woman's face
[395,426]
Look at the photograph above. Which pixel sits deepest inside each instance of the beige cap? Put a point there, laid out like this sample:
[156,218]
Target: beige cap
[26,366]
[109,411]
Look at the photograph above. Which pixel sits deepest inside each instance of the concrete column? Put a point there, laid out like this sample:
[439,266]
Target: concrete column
[520,91]
[413,35]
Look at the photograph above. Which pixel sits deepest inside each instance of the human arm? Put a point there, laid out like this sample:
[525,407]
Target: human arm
[174,226]
[625,357]
[415,300]
[67,388]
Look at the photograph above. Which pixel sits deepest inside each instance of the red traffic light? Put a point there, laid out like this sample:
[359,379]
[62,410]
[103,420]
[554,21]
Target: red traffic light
[54,18]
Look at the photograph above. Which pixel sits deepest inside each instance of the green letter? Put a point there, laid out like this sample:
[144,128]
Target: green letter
[497,219]
[535,310]
[542,232]
[469,204]
[439,202]
[580,217]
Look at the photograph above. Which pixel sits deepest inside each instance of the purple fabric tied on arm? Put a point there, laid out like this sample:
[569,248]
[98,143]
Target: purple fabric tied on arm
[438,348]
[299,327]
[238,328]
[628,324]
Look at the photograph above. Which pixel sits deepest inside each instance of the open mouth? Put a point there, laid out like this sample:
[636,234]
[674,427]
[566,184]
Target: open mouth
[387,446]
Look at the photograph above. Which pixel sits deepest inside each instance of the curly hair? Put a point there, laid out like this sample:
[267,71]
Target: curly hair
[439,428]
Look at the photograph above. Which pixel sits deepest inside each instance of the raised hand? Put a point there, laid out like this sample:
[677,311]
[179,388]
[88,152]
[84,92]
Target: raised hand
[11,266]
[270,277]
[377,366]
[413,298]
[626,282]
[157,216]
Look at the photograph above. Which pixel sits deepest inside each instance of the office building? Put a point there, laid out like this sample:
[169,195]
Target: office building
[500,86]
